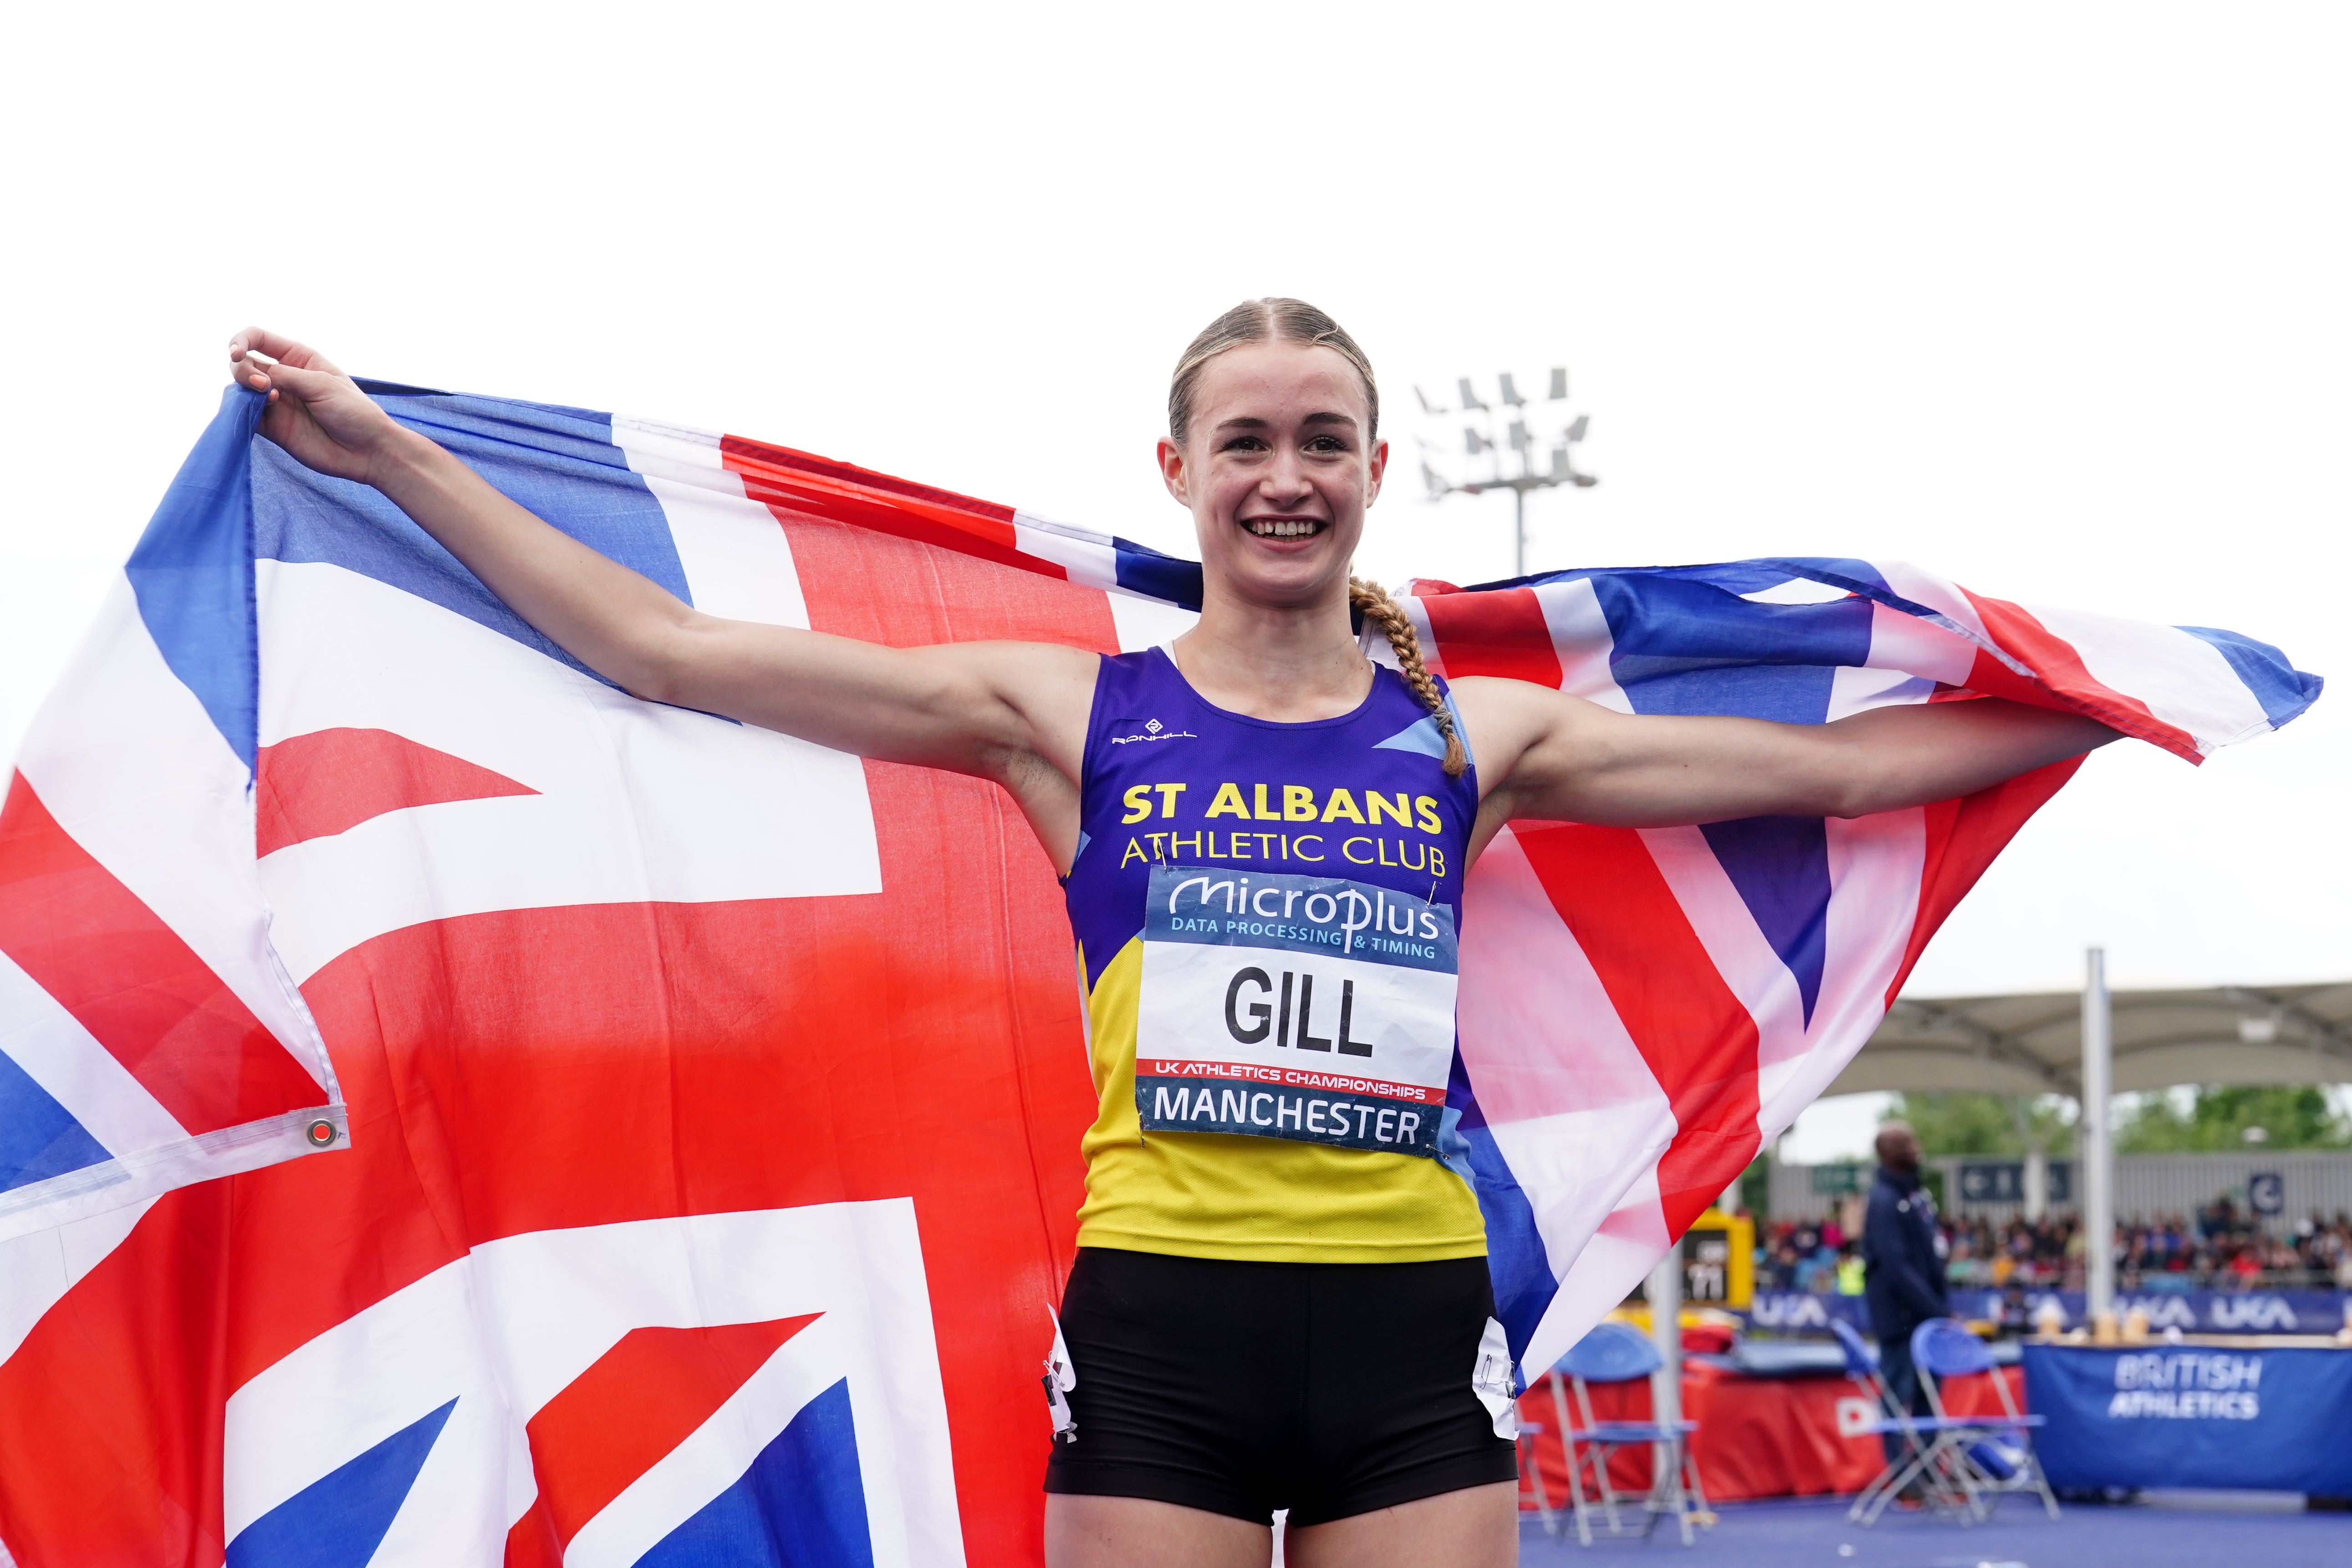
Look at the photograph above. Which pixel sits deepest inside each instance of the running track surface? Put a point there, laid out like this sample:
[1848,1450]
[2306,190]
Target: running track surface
[1808,1533]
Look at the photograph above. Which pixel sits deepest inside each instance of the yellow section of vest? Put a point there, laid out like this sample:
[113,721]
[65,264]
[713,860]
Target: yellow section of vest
[1274,1200]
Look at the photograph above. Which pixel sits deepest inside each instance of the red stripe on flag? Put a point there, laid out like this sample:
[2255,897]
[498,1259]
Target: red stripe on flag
[1501,632]
[745,456]
[614,1422]
[2062,669]
[324,782]
[1963,836]
[1698,1039]
[837,492]
[110,1412]
[127,978]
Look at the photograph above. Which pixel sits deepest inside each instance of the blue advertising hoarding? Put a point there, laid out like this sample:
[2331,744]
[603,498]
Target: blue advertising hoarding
[2190,1312]
[2171,1416]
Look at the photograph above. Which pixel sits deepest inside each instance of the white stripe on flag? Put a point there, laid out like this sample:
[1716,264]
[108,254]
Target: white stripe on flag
[2183,679]
[1937,593]
[747,813]
[1629,1241]
[79,1073]
[675,452]
[1902,641]
[1088,558]
[1583,642]
[129,764]
[1140,623]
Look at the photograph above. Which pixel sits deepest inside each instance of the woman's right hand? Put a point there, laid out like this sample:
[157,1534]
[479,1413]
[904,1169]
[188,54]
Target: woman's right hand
[316,412]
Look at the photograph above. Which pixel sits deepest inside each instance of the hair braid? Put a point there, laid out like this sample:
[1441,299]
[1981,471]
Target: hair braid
[1373,602]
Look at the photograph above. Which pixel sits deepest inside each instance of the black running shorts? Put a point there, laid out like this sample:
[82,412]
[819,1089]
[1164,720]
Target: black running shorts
[1330,1389]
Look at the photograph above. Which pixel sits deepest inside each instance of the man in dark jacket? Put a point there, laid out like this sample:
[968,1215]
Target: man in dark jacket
[1903,1259]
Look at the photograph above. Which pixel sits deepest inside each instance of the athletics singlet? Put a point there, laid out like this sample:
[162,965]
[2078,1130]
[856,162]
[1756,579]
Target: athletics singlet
[1267,916]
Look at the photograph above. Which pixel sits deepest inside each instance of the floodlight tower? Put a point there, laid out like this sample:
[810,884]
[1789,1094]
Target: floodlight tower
[1478,439]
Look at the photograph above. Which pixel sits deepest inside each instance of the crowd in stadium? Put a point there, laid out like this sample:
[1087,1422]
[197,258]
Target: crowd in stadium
[2220,1247]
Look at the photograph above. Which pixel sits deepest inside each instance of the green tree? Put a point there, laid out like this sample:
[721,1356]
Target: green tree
[1973,1123]
[2217,1117]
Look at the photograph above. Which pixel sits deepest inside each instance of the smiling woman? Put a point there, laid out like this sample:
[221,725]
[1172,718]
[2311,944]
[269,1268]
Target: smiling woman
[1281,1299]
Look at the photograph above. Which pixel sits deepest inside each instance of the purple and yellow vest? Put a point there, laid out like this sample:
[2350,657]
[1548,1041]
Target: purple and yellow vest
[1267,913]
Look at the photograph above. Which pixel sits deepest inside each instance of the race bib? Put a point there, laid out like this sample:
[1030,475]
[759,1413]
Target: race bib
[1279,1005]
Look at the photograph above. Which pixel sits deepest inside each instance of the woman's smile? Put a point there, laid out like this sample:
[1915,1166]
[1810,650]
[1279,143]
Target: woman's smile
[1284,528]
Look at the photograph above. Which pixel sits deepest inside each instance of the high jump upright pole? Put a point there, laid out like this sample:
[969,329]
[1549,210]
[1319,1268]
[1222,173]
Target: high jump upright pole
[2098,1146]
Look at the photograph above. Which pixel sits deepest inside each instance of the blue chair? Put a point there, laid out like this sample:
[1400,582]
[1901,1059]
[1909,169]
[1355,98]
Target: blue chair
[1916,1461]
[1531,1481]
[1618,1352]
[1992,1454]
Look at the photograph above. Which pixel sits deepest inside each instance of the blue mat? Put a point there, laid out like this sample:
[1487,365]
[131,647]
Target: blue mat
[1813,1533]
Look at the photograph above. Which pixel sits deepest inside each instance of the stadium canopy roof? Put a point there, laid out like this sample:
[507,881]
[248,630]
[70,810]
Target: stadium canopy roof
[2032,1044]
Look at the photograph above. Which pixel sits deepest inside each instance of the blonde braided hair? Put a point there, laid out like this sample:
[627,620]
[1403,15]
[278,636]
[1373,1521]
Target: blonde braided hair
[1372,602]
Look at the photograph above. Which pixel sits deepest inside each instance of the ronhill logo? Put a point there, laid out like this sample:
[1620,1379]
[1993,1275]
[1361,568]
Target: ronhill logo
[1149,729]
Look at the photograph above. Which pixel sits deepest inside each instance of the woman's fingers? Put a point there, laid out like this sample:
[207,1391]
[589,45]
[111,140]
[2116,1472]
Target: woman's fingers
[274,346]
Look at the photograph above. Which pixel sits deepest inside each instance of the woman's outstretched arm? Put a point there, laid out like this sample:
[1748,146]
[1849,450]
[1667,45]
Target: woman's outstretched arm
[996,710]
[1548,756]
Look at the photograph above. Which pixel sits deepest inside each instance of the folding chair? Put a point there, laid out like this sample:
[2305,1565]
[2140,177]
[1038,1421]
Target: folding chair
[1617,1353]
[1943,1484]
[1995,1452]
[1531,1481]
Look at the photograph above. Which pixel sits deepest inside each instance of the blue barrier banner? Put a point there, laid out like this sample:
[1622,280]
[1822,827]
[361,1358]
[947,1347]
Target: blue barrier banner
[2173,1415]
[1802,1313]
[2190,1312]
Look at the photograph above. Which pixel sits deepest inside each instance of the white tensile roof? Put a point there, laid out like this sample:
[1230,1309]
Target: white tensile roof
[2032,1044]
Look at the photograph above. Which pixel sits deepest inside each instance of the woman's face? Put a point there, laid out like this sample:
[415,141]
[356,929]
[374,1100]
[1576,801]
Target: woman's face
[1277,470]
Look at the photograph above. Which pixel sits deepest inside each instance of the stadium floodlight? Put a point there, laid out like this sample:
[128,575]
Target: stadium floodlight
[1522,440]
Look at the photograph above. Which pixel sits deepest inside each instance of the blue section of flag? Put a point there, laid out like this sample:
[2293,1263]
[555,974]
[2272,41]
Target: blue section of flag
[1782,866]
[1143,570]
[801,1505]
[1525,1281]
[1682,646]
[1840,570]
[339,1519]
[192,573]
[558,463]
[38,1137]
[2283,690]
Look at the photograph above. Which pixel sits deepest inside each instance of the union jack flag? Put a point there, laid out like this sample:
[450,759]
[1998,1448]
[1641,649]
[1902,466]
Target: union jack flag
[696,1110]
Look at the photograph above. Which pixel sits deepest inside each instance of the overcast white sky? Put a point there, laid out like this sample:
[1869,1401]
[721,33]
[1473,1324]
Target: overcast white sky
[2051,299]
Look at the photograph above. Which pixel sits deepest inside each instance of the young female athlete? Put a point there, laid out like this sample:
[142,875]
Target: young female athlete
[1281,1293]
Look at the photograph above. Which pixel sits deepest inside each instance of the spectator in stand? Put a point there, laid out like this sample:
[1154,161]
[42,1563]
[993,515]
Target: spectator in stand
[1903,1262]
[2014,1318]
[1850,1270]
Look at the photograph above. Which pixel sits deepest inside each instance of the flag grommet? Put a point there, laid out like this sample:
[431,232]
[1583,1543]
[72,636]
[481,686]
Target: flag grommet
[322,1133]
